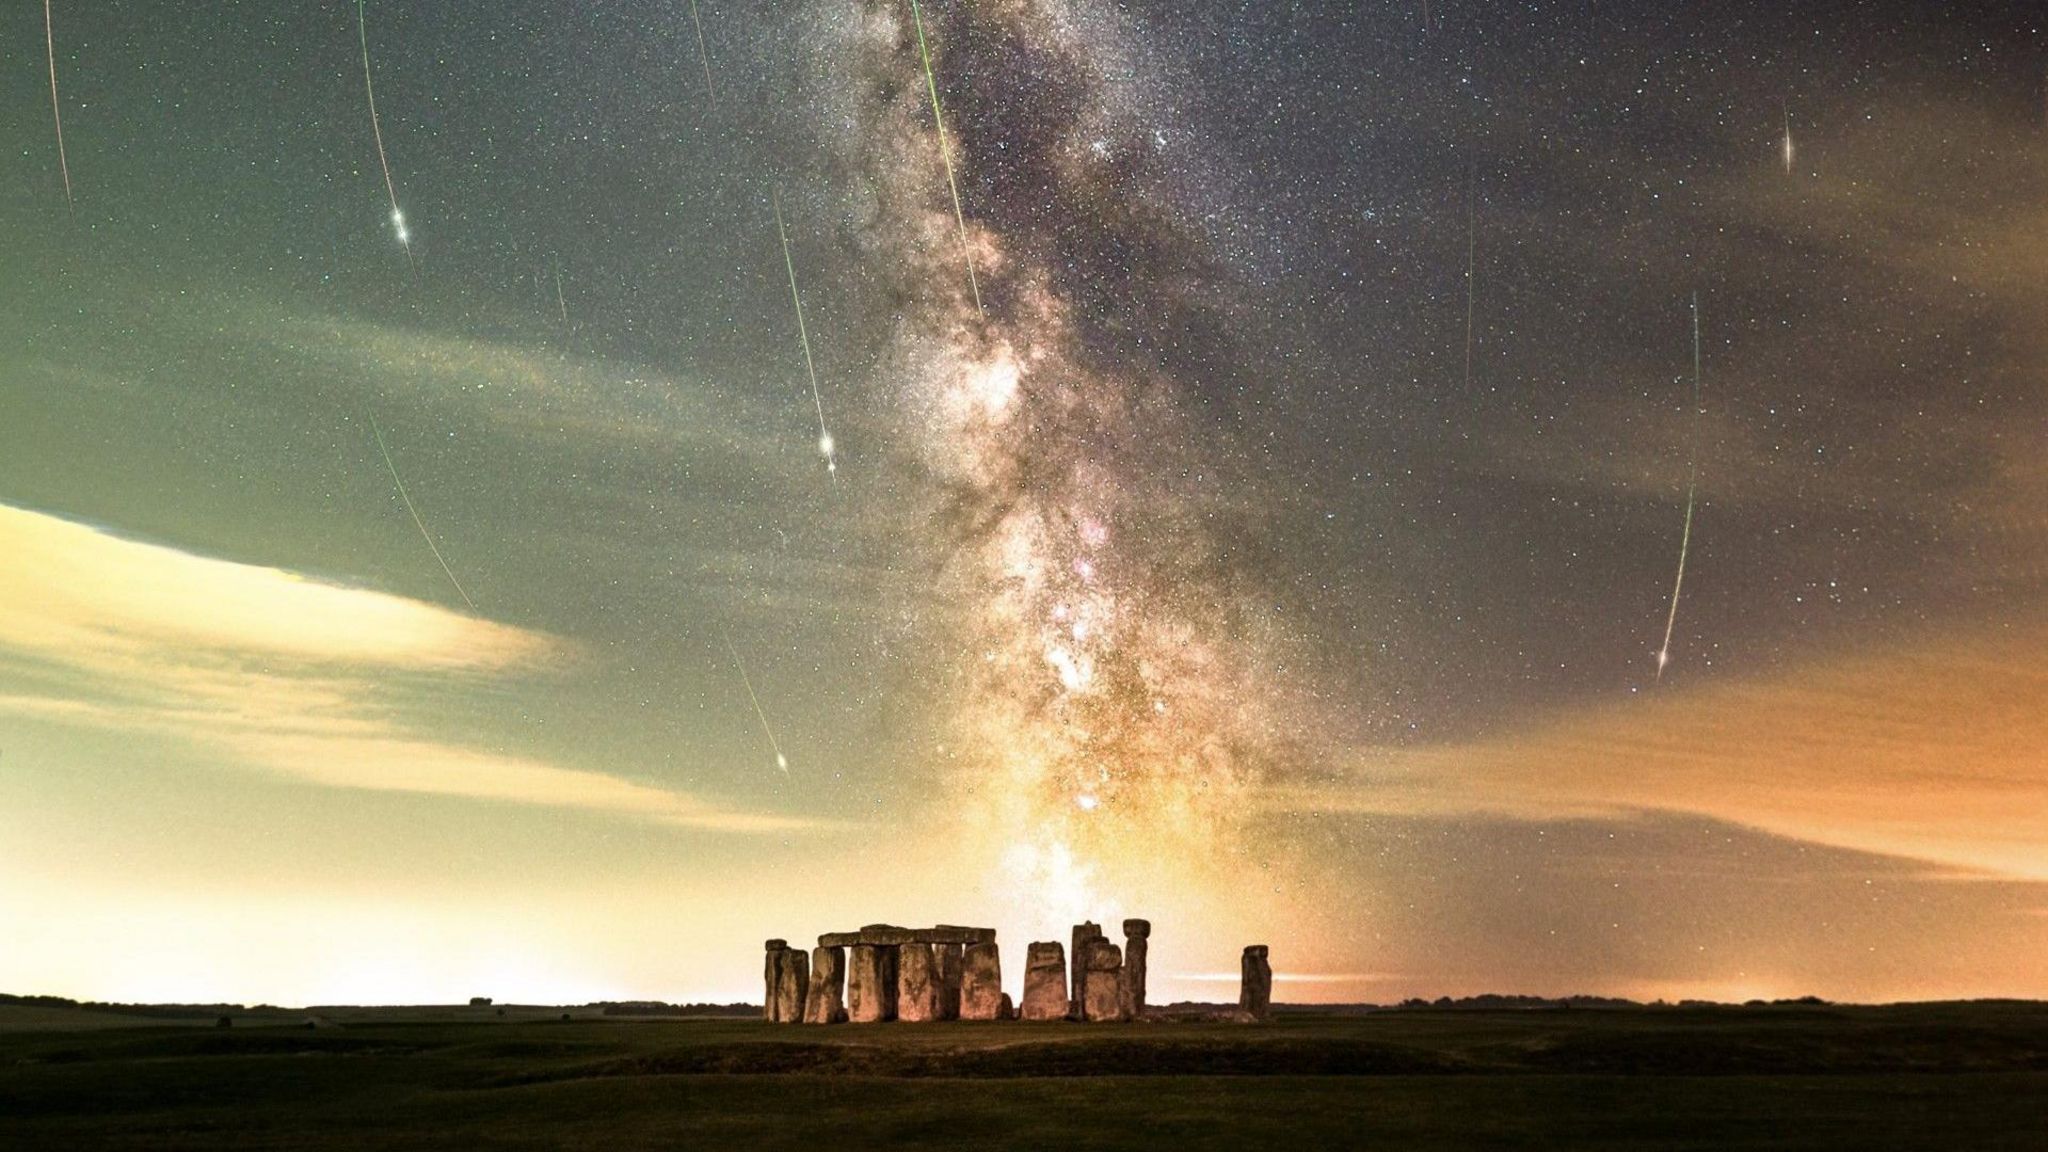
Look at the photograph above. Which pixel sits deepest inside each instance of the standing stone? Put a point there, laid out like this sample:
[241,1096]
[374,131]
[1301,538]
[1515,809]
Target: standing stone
[1131,997]
[1045,981]
[771,968]
[826,1001]
[981,983]
[1008,1011]
[1102,981]
[949,959]
[792,983]
[1256,995]
[871,984]
[917,983]
[1077,998]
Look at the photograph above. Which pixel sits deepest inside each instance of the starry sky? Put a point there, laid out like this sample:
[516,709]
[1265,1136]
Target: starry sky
[1261,441]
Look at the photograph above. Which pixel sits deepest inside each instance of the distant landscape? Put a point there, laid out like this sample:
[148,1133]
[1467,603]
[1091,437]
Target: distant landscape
[1496,1072]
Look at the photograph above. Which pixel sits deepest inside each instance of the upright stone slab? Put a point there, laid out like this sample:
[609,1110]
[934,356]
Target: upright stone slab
[917,983]
[1256,994]
[1102,981]
[792,984]
[826,1001]
[1131,993]
[871,983]
[949,958]
[1077,999]
[1045,981]
[771,968]
[981,983]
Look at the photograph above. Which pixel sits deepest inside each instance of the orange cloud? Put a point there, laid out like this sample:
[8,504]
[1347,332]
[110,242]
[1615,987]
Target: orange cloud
[275,671]
[1935,750]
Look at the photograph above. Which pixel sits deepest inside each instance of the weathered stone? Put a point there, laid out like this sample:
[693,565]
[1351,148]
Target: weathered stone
[1077,999]
[770,968]
[981,983]
[1101,981]
[825,1003]
[1131,991]
[1045,981]
[890,934]
[1255,996]
[792,983]
[948,957]
[870,983]
[917,983]
[1008,1011]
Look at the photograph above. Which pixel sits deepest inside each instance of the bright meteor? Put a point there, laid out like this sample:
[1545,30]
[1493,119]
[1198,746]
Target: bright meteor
[56,112]
[377,130]
[825,445]
[1691,489]
[946,153]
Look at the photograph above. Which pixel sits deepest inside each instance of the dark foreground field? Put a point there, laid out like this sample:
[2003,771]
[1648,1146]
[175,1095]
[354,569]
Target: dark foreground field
[1969,1076]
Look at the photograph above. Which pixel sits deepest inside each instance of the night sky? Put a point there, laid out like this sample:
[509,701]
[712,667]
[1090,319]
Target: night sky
[1275,536]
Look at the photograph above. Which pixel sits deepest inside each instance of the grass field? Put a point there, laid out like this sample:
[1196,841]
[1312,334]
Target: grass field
[1952,1076]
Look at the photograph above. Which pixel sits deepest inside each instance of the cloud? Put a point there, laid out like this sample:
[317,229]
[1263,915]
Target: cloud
[277,672]
[1928,750]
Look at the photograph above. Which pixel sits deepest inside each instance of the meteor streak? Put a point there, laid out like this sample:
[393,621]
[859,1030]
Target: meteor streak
[561,303]
[1471,264]
[703,57]
[417,522]
[946,153]
[1788,139]
[1691,488]
[377,130]
[56,112]
[825,446]
[781,761]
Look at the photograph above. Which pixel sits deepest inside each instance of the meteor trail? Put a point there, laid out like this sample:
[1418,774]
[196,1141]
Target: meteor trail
[1691,488]
[377,130]
[417,522]
[703,57]
[825,446]
[1788,139]
[945,153]
[781,761]
[1471,264]
[559,301]
[56,112]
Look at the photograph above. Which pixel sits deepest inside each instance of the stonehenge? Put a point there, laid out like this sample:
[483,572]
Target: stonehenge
[1131,989]
[947,972]
[1101,982]
[1045,981]
[826,1003]
[917,983]
[981,983]
[1255,996]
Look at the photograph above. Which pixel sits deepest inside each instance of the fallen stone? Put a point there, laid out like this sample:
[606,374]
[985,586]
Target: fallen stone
[981,983]
[825,1003]
[1045,981]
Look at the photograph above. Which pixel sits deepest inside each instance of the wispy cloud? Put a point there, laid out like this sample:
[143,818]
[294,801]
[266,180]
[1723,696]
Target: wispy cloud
[273,671]
[1930,750]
